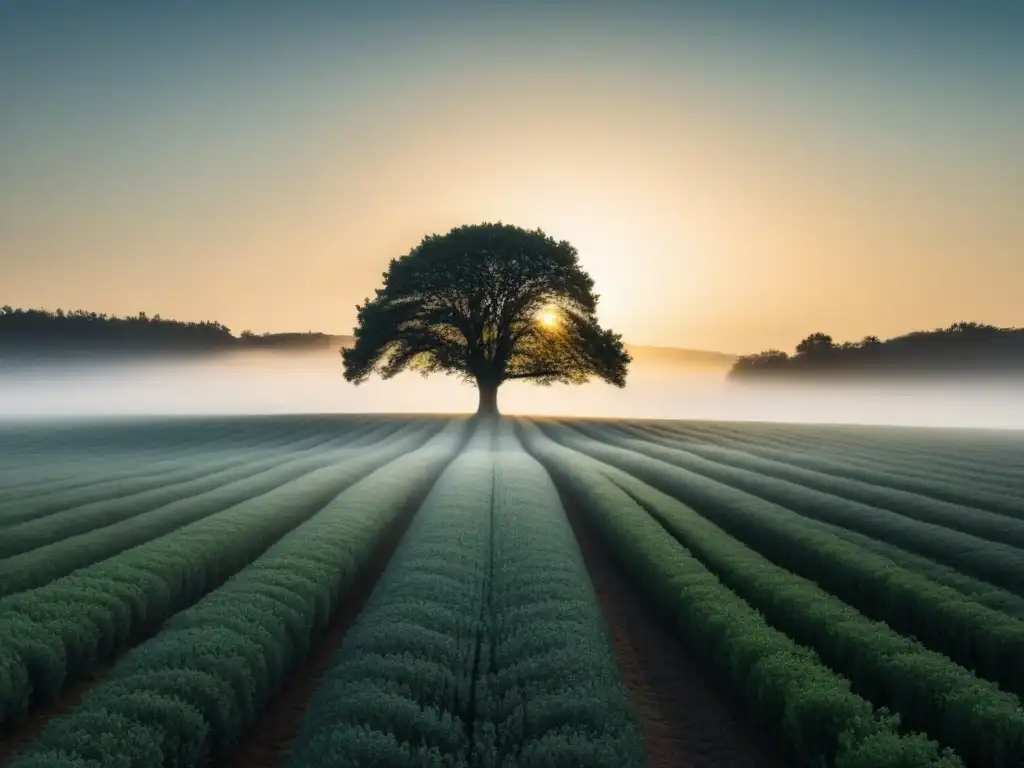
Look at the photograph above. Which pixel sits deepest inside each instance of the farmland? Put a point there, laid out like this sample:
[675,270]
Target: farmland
[305,591]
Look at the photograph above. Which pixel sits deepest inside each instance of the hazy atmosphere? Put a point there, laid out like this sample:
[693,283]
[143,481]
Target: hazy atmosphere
[312,383]
[733,179]
[584,384]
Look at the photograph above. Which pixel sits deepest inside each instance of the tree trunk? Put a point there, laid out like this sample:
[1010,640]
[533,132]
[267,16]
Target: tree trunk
[488,398]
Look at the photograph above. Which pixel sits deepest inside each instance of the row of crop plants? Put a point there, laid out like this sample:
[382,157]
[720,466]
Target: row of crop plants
[142,476]
[186,697]
[980,591]
[970,487]
[972,447]
[54,634]
[931,693]
[968,519]
[992,561]
[974,635]
[553,694]
[483,644]
[136,478]
[34,522]
[22,444]
[43,564]
[58,467]
[881,459]
[58,470]
[999,564]
[710,445]
[785,686]
[984,592]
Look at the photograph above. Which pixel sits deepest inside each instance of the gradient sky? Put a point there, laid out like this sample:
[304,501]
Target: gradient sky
[733,178]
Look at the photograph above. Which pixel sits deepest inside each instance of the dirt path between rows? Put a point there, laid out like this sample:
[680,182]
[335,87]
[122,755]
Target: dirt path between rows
[21,736]
[687,720]
[271,737]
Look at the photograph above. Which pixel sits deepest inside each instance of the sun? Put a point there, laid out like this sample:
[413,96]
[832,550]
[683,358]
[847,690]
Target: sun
[548,318]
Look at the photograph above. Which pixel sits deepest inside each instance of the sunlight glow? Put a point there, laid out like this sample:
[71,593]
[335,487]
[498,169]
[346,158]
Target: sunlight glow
[548,318]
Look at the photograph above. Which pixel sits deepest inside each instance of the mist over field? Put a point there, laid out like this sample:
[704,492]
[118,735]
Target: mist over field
[259,383]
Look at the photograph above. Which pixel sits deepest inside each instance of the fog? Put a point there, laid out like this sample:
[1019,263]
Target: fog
[312,383]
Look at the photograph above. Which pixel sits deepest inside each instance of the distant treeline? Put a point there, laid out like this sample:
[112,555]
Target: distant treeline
[40,332]
[963,349]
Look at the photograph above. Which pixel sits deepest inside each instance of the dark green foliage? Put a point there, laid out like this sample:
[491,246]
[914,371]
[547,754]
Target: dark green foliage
[107,737]
[47,529]
[786,688]
[552,692]
[46,563]
[880,463]
[55,758]
[401,686]
[483,644]
[980,638]
[186,696]
[77,509]
[466,304]
[62,630]
[69,457]
[931,693]
[980,591]
[977,522]
[992,561]
[962,350]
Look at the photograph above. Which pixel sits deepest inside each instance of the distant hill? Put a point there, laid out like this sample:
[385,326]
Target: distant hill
[39,333]
[28,335]
[963,350]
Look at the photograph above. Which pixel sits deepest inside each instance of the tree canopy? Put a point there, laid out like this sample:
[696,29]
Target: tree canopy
[962,349]
[488,303]
[32,333]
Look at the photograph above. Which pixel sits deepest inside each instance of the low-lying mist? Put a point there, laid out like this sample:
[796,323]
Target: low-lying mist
[275,382]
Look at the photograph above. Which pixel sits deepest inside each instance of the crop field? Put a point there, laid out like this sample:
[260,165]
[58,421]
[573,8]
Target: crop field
[307,591]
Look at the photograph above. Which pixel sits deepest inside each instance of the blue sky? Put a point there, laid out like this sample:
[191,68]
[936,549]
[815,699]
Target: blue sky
[734,174]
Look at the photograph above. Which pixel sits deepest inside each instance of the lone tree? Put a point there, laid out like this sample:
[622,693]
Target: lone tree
[488,303]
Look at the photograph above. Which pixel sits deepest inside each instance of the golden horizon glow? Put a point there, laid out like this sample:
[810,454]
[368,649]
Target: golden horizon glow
[730,184]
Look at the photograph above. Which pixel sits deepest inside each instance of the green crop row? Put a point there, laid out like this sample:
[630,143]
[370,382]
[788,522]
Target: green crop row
[552,693]
[400,689]
[39,532]
[94,471]
[982,723]
[185,697]
[981,591]
[110,464]
[978,637]
[920,505]
[60,631]
[133,451]
[44,564]
[991,561]
[971,520]
[483,645]
[786,688]
[37,455]
[97,488]
[880,460]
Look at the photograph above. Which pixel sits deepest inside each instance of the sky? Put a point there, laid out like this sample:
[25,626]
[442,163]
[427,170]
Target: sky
[734,175]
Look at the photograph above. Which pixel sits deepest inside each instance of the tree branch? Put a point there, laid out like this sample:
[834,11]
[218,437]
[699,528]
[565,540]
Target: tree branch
[534,374]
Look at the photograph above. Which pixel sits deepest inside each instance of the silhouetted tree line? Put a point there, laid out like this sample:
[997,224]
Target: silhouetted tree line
[41,332]
[962,349]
